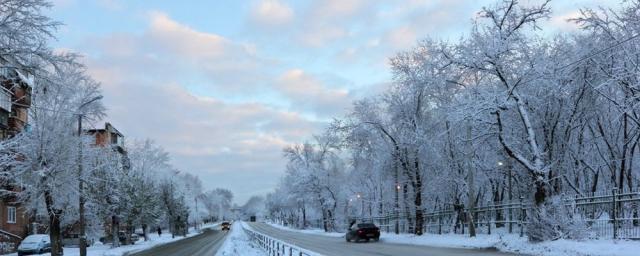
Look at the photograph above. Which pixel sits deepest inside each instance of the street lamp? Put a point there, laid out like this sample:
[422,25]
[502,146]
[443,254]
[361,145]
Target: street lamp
[83,237]
[509,174]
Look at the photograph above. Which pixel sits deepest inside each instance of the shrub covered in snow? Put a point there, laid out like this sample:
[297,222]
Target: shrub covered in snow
[554,220]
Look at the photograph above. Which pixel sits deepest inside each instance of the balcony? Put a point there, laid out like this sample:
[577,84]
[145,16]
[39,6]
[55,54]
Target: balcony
[5,100]
[22,96]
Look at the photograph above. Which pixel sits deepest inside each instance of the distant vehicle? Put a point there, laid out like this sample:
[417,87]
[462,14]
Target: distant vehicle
[226,226]
[122,237]
[73,240]
[252,219]
[34,244]
[363,231]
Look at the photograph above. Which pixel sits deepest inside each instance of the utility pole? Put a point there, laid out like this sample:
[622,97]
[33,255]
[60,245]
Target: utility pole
[83,239]
[83,236]
[510,197]
[397,204]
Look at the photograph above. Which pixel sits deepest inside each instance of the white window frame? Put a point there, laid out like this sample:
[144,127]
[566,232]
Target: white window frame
[11,214]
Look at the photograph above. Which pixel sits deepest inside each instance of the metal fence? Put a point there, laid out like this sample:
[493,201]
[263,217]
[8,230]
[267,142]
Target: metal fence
[276,247]
[604,214]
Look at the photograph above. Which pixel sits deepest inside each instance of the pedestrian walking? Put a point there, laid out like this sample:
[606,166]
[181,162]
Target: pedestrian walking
[159,232]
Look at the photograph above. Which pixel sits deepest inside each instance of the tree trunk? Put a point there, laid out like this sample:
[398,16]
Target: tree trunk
[54,233]
[470,183]
[418,202]
[540,195]
[115,226]
[54,225]
[407,210]
[144,231]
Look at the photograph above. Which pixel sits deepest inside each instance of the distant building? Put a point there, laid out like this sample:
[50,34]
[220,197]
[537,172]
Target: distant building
[109,136]
[15,100]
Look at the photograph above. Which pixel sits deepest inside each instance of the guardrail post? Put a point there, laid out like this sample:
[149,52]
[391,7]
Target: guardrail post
[614,214]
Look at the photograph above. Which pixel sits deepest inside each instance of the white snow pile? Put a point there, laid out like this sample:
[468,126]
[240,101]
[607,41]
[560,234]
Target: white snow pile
[99,249]
[504,242]
[238,243]
[307,231]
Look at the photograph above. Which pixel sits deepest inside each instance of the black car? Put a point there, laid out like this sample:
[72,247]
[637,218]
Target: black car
[363,231]
[226,226]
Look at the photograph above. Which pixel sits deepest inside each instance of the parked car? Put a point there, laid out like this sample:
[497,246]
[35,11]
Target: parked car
[363,231]
[226,226]
[34,244]
[73,240]
[122,237]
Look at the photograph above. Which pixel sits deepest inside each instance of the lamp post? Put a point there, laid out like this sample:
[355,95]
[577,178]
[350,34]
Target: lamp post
[509,184]
[83,237]
[362,207]
[397,206]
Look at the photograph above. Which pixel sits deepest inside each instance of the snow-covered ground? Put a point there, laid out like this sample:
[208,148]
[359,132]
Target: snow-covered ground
[505,242]
[307,231]
[238,243]
[99,249]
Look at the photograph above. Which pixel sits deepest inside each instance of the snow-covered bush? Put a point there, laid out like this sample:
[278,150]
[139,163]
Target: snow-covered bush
[554,220]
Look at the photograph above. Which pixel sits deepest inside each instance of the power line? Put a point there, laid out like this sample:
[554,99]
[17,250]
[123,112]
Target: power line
[599,52]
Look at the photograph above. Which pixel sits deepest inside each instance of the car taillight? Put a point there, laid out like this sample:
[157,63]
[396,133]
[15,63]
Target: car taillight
[359,231]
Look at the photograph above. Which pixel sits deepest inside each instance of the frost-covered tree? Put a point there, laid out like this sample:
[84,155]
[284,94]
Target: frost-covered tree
[508,111]
[47,154]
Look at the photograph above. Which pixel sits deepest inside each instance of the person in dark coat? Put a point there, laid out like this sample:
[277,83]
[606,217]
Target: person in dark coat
[159,231]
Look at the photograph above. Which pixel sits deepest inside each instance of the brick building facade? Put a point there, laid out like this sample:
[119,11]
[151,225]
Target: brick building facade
[15,100]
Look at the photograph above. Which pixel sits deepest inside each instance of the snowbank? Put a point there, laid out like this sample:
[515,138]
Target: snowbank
[238,243]
[504,242]
[99,249]
[307,231]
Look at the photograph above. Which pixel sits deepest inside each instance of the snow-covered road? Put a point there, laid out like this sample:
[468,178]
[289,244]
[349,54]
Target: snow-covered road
[203,244]
[338,246]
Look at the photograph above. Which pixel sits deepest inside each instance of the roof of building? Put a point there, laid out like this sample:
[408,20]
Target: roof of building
[107,127]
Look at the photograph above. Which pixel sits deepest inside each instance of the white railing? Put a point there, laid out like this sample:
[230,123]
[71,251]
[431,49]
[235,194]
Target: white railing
[276,247]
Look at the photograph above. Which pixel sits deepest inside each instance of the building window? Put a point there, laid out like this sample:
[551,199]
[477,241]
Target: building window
[11,216]
[5,100]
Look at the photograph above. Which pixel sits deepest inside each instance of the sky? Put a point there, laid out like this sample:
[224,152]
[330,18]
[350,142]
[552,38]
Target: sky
[225,85]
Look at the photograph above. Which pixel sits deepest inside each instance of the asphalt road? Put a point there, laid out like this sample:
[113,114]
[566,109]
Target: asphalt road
[338,246]
[205,244]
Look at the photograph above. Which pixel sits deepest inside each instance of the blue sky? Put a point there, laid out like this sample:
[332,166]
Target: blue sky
[225,85]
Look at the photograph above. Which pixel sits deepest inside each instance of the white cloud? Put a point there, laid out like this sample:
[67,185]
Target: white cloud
[185,41]
[308,92]
[401,37]
[562,22]
[145,82]
[271,13]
